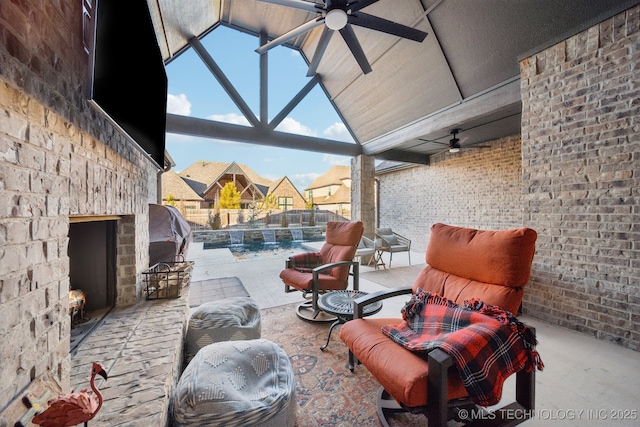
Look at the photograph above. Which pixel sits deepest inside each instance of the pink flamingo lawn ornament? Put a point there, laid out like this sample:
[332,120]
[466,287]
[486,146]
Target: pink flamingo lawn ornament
[75,408]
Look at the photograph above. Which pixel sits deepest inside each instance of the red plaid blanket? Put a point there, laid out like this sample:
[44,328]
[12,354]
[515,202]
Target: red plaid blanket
[306,262]
[487,343]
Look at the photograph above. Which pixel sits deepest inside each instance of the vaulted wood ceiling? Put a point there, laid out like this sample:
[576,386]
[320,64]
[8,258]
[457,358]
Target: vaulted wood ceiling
[464,75]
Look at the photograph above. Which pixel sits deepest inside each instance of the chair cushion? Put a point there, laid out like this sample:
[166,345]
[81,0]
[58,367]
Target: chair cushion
[402,373]
[500,257]
[365,251]
[459,289]
[304,281]
[335,253]
[397,248]
[390,239]
[306,260]
[344,233]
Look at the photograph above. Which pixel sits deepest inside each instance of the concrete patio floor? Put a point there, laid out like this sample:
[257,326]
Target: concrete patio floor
[585,381]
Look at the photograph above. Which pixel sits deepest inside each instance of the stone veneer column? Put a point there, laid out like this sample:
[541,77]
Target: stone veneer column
[363,203]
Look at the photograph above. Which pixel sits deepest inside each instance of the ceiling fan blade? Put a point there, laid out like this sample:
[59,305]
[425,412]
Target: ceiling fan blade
[360,4]
[325,37]
[296,4]
[380,24]
[431,141]
[352,42]
[307,26]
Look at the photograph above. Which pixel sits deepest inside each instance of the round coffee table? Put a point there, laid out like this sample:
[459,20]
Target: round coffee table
[340,304]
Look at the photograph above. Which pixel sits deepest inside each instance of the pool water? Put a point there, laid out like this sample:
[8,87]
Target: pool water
[260,249]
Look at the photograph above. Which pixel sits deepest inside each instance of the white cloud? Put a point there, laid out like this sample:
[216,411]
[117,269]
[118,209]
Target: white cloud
[290,125]
[178,104]
[232,118]
[338,131]
[303,180]
[334,160]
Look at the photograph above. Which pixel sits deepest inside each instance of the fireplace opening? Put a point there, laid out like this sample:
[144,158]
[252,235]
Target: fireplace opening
[92,275]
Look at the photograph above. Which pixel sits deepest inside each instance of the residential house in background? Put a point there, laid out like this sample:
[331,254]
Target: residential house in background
[207,179]
[332,191]
[286,195]
[176,191]
[196,189]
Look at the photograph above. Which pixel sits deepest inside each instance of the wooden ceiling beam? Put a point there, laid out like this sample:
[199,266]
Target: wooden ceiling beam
[229,132]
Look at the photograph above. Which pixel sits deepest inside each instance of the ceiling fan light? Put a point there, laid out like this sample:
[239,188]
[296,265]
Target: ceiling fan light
[336,19]
[454,149]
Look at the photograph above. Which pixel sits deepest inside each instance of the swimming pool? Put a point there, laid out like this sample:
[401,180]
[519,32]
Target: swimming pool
[261,249]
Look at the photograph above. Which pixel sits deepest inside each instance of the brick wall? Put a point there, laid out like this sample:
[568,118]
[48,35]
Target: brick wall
[58,158]
[581,179]
[287,189]
[479,187]
[575,180]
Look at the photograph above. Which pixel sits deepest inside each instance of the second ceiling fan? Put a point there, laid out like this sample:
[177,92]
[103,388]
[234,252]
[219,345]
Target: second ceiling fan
[454,143]
[340,15]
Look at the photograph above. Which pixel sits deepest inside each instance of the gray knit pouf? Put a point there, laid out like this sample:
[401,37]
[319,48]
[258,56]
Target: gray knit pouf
[229,319]
[237,383]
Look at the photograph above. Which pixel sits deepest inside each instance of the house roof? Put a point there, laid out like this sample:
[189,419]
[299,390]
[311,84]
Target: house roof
[334,176]
[464,75]
[275,184]
[173,184]
[341,196]
[201,175]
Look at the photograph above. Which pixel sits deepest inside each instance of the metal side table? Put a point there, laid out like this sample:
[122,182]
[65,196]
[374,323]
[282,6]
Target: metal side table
[340,304]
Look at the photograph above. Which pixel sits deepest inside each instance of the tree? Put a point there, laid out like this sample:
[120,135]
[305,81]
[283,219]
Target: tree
[229,197]
[269,202]
[171,201]
[312,217]
[256,208]
[308,205]
[214,220]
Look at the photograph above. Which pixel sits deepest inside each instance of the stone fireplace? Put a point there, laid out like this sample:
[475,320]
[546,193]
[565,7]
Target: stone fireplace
[61,164]
[92,255]
[102,260]
[92,262]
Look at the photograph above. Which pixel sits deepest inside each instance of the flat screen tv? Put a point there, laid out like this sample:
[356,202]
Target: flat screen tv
[127,81]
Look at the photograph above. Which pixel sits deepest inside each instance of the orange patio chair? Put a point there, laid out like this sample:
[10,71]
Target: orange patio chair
[327,270]
[463,265]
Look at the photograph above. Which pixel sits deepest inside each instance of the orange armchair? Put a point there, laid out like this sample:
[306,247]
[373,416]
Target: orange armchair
[463,264]
[328,270]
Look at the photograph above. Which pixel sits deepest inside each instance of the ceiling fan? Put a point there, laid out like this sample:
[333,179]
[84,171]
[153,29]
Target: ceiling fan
[340,15]
[454,142]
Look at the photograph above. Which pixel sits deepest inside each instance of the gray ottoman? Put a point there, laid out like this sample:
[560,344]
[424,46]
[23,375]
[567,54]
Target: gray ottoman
[237,383]
[224,320]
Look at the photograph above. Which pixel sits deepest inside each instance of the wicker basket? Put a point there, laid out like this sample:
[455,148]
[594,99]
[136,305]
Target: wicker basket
[166,279]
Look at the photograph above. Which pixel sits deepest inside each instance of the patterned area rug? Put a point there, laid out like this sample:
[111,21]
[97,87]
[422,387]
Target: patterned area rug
[328,394]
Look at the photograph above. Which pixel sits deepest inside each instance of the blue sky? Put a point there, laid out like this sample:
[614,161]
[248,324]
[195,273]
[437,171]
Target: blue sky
[193,91]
